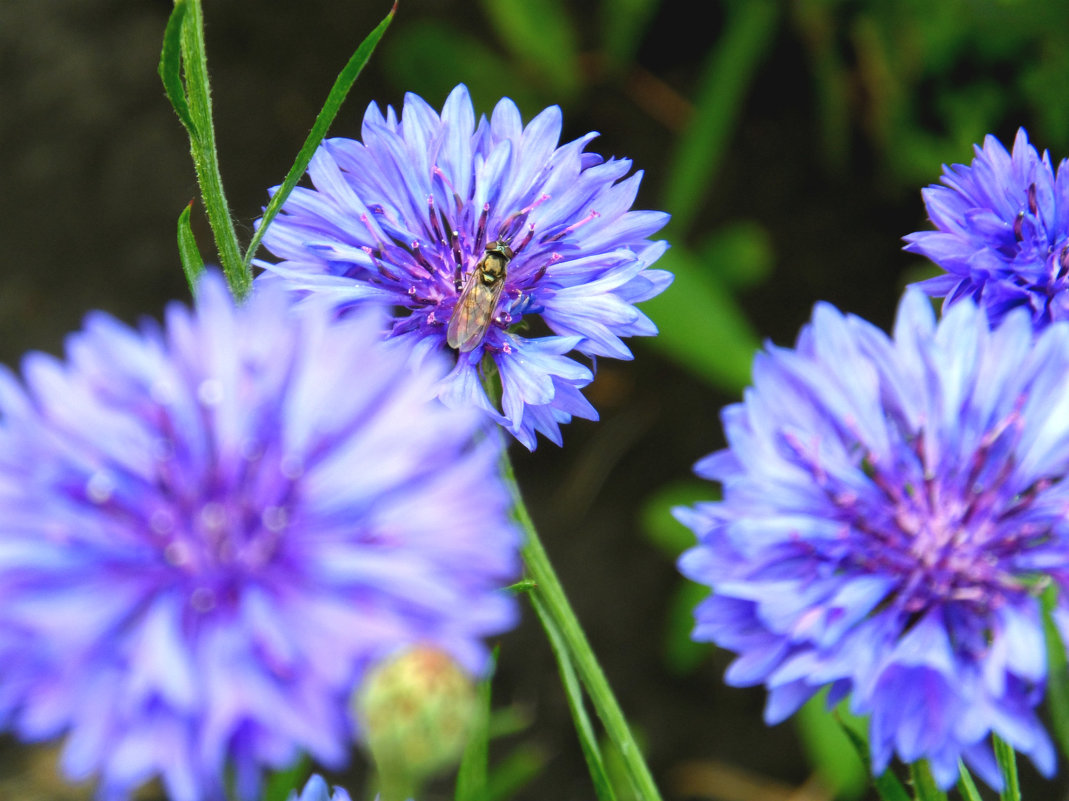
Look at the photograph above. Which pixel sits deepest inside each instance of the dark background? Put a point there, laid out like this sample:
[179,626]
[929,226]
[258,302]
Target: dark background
[830,119]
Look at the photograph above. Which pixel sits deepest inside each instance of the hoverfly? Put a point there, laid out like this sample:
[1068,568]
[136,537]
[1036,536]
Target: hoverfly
[478,299]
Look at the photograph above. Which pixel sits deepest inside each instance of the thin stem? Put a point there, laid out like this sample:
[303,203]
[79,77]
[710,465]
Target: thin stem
[557,608]
[202,147]
[924,786]
[1007,764]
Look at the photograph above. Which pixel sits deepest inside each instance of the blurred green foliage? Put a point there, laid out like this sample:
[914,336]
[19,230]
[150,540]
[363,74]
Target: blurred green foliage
[901,86]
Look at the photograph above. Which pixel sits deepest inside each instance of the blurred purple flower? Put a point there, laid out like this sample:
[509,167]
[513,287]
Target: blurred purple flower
[316,789]
[892,509]
[212,529]
[1003,232]
[468,228]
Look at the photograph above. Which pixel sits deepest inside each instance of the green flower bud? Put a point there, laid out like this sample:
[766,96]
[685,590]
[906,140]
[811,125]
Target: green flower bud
[415,712]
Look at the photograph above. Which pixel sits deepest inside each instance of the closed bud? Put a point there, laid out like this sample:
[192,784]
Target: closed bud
[416,712]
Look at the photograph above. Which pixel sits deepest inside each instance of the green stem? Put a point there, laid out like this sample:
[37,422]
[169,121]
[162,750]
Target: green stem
[1007,764]
[557,608]
[924,786]
[202,147]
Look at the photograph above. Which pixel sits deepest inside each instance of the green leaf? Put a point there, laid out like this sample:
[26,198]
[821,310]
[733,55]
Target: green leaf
[825,743]
[924,784]
[739,253]
[966,785]
[541,36]
[338,92]
[414,54]
[701,326]
[170,68]
[284,782]
[682,654]
[624,23]
[515,772]
[188,252]
[659,527]
[887,785]
[1057,673]
[574,693]
[727,75]
[1007,764]
[472,773]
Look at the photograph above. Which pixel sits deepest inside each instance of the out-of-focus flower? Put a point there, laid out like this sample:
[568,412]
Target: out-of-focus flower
[1003,232]
[470,228]
[316,789]
[209,531]
[892,509]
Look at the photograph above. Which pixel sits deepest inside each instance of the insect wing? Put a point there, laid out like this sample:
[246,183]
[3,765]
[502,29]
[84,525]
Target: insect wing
[474,310]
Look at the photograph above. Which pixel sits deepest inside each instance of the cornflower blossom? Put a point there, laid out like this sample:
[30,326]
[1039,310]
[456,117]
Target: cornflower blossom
[212,529]
[472,229]
[1002,232]
[316,789]
[892,509]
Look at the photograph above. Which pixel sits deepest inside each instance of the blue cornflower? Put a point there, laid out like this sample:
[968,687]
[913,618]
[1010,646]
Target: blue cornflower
[1003,232]
[210,530]
[892,509]
[316,789]
[469,228]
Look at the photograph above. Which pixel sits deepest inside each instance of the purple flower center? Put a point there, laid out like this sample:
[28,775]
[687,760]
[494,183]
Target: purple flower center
[432,265]
[947,537]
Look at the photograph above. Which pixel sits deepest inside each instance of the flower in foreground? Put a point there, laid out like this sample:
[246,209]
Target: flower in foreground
[316,789]
[470,229]
[892,509]
[1002,232]
[210,531]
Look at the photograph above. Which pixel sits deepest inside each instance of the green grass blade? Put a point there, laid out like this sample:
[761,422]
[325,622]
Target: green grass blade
[701,325]
[1007,765]
[338,92]
[188,252]
[551,55]
[472,773]
[281,784]
[966,785]
[727,75]
[924,784]
[887,785]
[1057,673]
[514,772]
[170,68]
[573,691]
[205,157]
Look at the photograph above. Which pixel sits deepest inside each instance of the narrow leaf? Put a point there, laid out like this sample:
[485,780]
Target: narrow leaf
[701,325]
[281,784]
[966,785]
[1007,764]
[822,738]
[552,54]
[1057,673]
[574,693]
[471,775]
[338,92]
[170,68]
[188,252]
[887,785]
[514,772]
[924,784]
[727,74]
